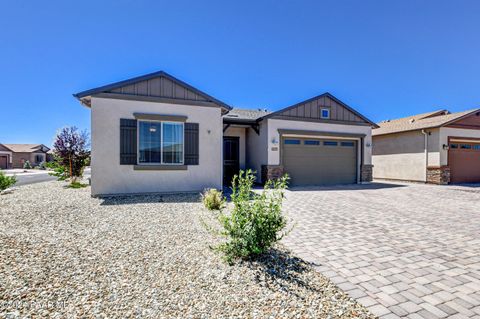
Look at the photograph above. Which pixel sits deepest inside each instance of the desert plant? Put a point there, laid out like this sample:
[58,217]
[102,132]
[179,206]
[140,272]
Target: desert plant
[213,199]
[256,221]
[6,181]
[27,165]
[71,151]
[77,185]
[42,165]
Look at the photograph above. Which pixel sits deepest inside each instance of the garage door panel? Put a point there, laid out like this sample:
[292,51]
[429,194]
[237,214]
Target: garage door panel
[464,162]
[320,164]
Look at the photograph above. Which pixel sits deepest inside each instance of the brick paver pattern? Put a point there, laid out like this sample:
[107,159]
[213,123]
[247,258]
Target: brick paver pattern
[402,250]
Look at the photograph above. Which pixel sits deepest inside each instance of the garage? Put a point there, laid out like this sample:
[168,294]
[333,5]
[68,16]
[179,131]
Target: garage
[464,160]
[3,162]
[316,161]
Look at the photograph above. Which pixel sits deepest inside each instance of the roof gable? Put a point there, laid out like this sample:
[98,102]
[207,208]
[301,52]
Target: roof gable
[310,109]
[26,148]
[160,85]
[422,121]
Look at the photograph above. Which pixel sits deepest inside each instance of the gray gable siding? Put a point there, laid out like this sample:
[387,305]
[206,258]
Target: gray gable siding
[159,87]
[310,110]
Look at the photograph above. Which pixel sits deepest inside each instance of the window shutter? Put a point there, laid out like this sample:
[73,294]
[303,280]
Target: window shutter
[191,144]
[128,142]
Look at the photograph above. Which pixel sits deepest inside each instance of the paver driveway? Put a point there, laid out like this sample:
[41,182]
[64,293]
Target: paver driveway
[402,250]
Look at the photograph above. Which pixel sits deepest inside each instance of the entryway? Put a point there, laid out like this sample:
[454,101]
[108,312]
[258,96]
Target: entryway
[3,162]
[231,158]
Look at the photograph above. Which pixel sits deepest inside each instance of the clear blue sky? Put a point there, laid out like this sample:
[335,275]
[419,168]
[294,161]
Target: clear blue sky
[384,58]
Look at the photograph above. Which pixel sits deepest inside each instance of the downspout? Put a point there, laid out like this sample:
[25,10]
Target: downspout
[425,134]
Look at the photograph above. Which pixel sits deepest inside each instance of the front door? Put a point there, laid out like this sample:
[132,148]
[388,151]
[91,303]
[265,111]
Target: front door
[3,162]
[231,158]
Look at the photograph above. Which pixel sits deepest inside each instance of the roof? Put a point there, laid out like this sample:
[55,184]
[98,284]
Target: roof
[24,148]
[420,121]
[326,94]
[244,114]
[149,76]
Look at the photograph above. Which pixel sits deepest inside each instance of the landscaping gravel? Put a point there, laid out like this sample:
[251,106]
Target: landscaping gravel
[65,254]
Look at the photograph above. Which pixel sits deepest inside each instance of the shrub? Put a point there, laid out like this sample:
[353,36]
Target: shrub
[256,221]
[6,181]
[42,165]
[77,185]
[59,171]
[213,199]
[27,165]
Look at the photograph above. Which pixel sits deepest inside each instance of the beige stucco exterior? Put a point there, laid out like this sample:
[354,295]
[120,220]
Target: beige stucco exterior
[256,147]
[402,155]
[109,177]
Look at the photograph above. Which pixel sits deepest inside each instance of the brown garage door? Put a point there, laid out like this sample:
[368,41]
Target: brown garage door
[3,162]
[464,161]
[311,161]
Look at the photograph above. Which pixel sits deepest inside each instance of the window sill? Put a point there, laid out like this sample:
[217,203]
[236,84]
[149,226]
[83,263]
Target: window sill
[160,167]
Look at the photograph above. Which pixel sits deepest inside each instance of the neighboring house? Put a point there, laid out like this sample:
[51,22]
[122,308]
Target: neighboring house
[437,147]
[18,154]
[155,133]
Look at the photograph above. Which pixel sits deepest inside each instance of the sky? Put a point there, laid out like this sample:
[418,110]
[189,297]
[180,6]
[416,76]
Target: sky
[386,59]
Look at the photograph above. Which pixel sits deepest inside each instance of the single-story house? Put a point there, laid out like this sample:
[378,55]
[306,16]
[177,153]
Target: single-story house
[155,133]
[437,147]
[15,155]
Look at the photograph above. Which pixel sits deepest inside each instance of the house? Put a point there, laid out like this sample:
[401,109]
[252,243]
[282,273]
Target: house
[437,147]
[155,133]
[15,155]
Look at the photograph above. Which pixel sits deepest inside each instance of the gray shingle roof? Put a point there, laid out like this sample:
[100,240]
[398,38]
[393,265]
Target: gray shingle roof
[244,114]
[24,148]
[420,121]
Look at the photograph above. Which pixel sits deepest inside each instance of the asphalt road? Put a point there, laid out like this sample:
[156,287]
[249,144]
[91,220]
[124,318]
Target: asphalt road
[25,179]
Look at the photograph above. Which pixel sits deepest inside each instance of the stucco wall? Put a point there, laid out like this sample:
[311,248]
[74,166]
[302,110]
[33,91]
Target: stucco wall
[275,125]
[256,147]
[240,132]
[109,177]
[402,156]
[445,132]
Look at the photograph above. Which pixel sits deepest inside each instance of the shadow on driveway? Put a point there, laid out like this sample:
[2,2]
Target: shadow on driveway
[348,187]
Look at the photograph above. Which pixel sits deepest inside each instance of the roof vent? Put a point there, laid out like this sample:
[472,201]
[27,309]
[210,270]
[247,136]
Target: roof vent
[411,121]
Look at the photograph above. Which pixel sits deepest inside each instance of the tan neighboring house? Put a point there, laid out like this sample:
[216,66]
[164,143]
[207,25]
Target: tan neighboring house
[155,133]
[15,155]
[437,147]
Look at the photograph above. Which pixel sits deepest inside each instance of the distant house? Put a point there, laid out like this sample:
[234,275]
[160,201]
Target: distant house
[437,147]
[15,155]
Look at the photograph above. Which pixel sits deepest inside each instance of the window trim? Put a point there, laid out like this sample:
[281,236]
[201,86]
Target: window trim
[321,113]
[161,163]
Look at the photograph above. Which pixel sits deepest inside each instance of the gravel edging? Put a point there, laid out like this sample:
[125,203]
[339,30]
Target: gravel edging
[63,253]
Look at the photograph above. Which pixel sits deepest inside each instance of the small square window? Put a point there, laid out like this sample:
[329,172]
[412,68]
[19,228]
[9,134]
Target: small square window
[325,113]
[292,142]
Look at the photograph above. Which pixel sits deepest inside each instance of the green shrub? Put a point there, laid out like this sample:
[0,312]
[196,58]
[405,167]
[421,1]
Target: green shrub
[41,165]
[256,221]
[213,199]
[58,170]
[27,165]
[77,185]
[6,181]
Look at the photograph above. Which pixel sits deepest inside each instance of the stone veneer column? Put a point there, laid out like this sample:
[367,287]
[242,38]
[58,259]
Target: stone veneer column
[439,175]
[271,172]
[366,173]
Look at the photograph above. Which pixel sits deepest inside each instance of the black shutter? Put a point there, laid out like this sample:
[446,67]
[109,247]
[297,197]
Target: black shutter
[128,142]
[191,144]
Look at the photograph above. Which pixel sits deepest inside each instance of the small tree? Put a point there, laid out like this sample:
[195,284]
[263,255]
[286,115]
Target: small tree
[71,148]
[27,165]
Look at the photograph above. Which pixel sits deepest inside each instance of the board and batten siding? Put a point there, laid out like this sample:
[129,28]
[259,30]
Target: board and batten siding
[159,87]
[109,177]
[311,110]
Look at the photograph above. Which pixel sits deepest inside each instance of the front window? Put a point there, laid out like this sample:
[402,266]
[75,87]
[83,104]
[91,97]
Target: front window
[38,158]
[325,113]
[160,142]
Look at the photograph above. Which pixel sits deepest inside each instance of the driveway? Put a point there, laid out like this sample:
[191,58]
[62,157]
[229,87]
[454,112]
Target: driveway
[405,250]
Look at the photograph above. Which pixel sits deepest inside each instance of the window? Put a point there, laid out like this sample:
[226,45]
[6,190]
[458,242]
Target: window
[476,147]
[325,113]
[160,142]
[466,146]
[292,142]
[38,158]
[453,145]
[330,143]
[311,142]
[348,144]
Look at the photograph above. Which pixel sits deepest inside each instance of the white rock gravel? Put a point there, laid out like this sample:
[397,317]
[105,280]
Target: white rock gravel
[65,254]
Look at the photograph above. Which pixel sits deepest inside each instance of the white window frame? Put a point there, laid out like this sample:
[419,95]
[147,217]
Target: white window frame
[161,143]
[321,113]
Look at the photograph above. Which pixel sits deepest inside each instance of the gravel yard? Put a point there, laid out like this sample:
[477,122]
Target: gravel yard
[64,253]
